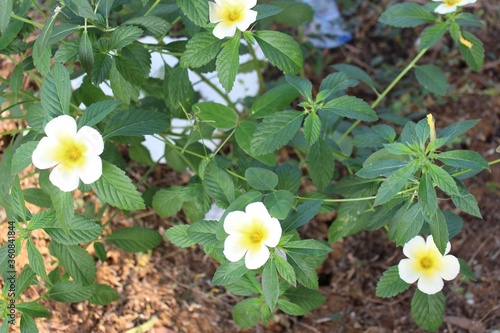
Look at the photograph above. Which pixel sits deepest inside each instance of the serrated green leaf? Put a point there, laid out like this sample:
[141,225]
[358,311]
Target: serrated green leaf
[130,70]
[308,247]
[247,312]
[69,292]
[200,50]
[216,115]
[410,224]
[355,73]
[81,8]
[62,202]
[337,82]
[390,284]
[76,261]
[195,10]
[178,236]
[36,117]
[36,260]
[229,272]
[115,188]
[100,251]
[352,217]
[56,91]
[468,20]
[28,325]
[321,164]
[244,134]
[227,63]
[168,202]
[406,15]
[431,78]
[428,310]
[37,197]
[465,270]
[463,159]
[61,31]
[33,309]
[203,232]
[179,90]
[351,107]
[218,184]
[135,239]
[303,86]
[86,53]
[23,280]
[39,220]
[275,131]
[264,11]
[285,270]
[136,123]
[81,230]
[312,128]
[41,49]
[382,168]
[270,286]
[122,89]
[466,201]
[307,299]
[453,222]
[273,100]
[473,56]
[101,67]
[68,52]
[290,308]
[281,50]
[443,179]
[303,214]
[439,231]
[5,10]
[279,203]
[395,182]
[261,179]
[154,25]
[97,112]
[123,35]
[103,294]
[431,35]
[22,157]
[305,273]
[427,196]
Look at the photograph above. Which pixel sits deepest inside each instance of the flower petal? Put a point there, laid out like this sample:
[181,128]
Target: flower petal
[256,257]
[44,155]
[66,179]
[224,29]
[92,138]
[450,267]
[257,212]
[237,222]
[215,12]
[430,284]
[465,2]
[247,17]
[414,245]
[61,127]
[274,231]
[91,170]
[233,249]
[252,3]
[407,271]
[445,9]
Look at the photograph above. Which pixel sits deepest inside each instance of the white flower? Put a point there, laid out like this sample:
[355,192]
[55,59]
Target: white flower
[250,233]
[231,14]
[450,6]
[427,265]
[74,155]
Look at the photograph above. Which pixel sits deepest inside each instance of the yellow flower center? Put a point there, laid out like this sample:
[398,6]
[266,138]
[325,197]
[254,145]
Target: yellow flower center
[426,263]
[256,233]
[71,153]
[451,2]
[233,15]
[257,236]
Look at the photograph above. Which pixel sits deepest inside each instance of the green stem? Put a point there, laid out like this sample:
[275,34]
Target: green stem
[256,63]
[22,19]
[353,199]
[39,9]
[157,2]
[386,91]
[224,142]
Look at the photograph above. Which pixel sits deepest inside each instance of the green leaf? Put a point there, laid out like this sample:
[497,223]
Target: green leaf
[427,196]
[305,273]
[247,312]
[270,286]
[130,69]
[135,239]
[431,35]
[179,90]
[312,128]
[97,112]
[218,184]
[136,123]
[100,251]
[466,201]
[195,10]
[36,260]
[261,179]
[36,117]
[443,179]
[203,232]
[303,214]
[285,270]
[33,309]
[154,25]
[406,15]
[474,56]
[428,310]
[227,63]
[279,203]
[178,236]
[81,8]
[62,202]
[81,230]
[168,202]
[28,325]
[76,261]
[244,134]
[216,115]
[395,182]
[454,223]
[86,53]
[307,299]
[439,231]
[41,49]
[273,100]
[197,202]
[41,219]
[338,82]
[200,50]
[103,294]
[465,270]
[351,107]
[321,164]
[464,159]
[264,11]
[122,89]
[352,217]
[410,224]
[115,188]
[281,50]
[382,168]
[56,91]
[123,35]
[5,10]
[70,292]
[229,272]
[67,52]
[303,86]
[468,20]
[61,31]
[290,308]
[431,78]
[355,73]
[22,157]
[390,284]
[398,148]
[308,247]
[275,131]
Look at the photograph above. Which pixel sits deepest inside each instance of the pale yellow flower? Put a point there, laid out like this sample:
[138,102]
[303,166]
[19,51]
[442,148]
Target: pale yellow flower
[449,6]
[73,154]
[231,14]
[250,234]
[427,265]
